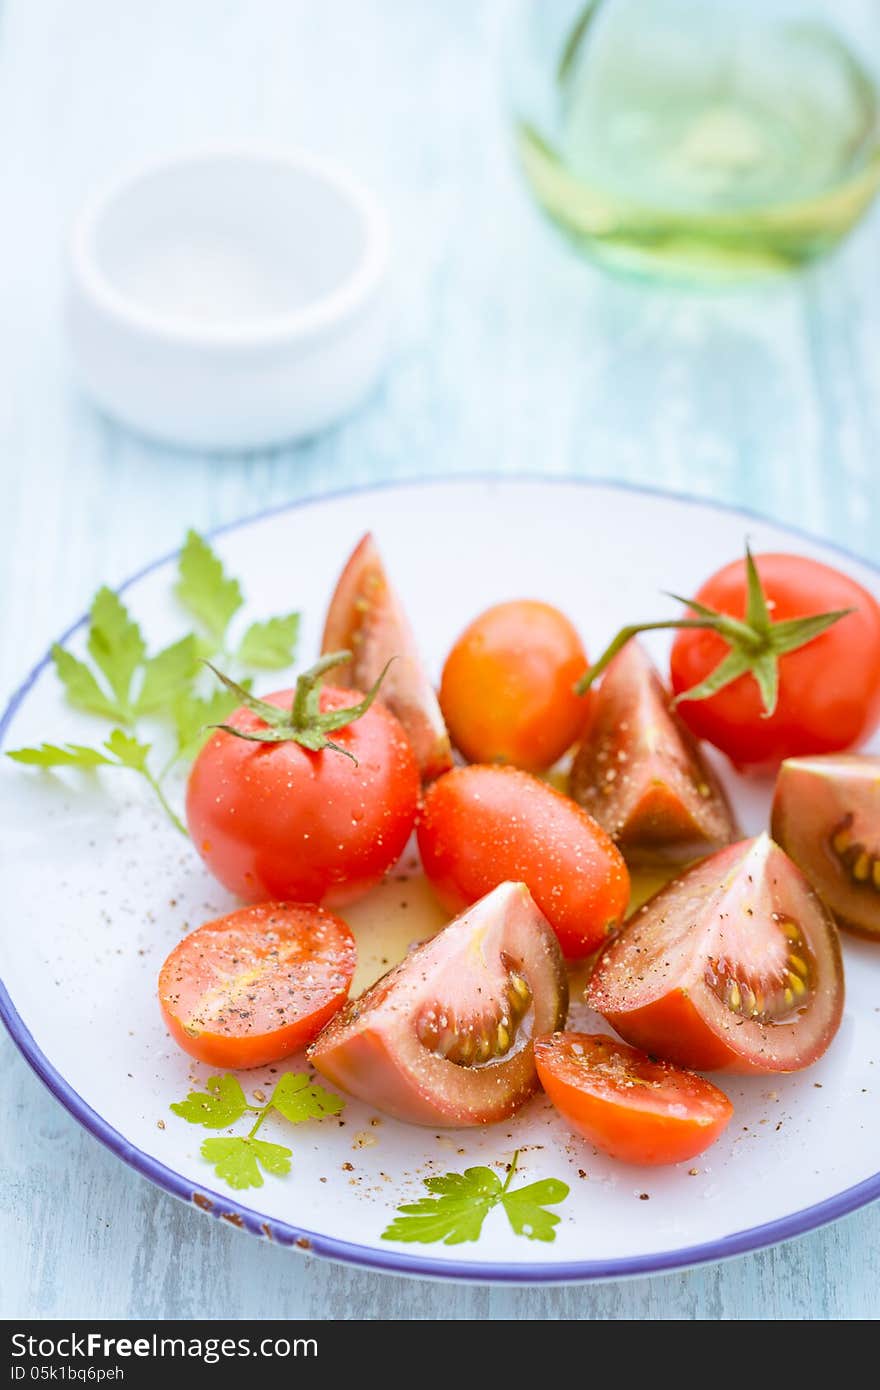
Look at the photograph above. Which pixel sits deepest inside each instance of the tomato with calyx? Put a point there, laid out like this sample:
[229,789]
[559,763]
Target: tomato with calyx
[445,1038]
[366,617]
[481,825]
[829,688]
[278,808]
[826,815]
[507,691]
[733,966]
[641,775]
[258,984]
[627,1104]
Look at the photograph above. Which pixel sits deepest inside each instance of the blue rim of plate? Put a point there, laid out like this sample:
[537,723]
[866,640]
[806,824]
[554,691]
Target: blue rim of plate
[393,1261]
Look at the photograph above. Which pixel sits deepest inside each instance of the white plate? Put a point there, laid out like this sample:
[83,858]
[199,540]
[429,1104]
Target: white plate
[97,888]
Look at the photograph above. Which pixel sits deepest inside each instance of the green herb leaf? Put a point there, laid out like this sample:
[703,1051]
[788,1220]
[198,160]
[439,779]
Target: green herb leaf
[127,751]
[525,1208]
[194,715]
[460,1202]
[204,587]
[81,686]
[270,645]
[297,1099]
[220,1105]
[115,643]
[168,675]
[238,1160]
[51,755]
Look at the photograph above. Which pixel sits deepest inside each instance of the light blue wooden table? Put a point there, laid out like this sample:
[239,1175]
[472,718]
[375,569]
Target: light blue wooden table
[511,355]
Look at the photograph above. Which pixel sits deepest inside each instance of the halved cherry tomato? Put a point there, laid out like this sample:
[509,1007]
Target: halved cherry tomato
[826,815]
[252,987]
[734,966]
[829,690]
[367,618]
[445,1038]
[275,820]
[482,825]
[641,774]
[507,692]
[628,1104]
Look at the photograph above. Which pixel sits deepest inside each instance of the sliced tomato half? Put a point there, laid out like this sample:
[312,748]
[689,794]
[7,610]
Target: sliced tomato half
[826,815]
[733,966]
[627,1104]
[445,1038]
[252,987]
[641,775]
[367,618]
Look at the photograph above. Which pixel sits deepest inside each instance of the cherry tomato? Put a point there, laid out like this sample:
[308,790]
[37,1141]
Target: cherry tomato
[367,618]
[627,1104]
[275,820]
[826,815]
[445,1038]
[507,692]
[735,966]
[829,690]
[252,987]
[482,825]
[641,774]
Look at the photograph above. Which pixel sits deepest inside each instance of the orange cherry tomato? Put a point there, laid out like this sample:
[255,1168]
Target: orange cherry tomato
[626,1104]
[480,826]
[252,987]
[507,692]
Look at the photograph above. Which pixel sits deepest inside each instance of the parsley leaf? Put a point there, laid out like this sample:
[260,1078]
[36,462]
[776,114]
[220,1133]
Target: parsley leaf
[194,714]
[52,755]
[270,645]
[296,1099]
[460,1202]
[167,675]
[115,643]
[238,1160]
[220,1105]
[81,687]
[205,589]
[127,751]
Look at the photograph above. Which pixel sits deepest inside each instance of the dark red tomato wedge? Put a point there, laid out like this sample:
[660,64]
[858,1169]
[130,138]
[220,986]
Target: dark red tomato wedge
[734,966]
[252,987]
[641,775]
[627,1104]
[445,1038]
[366,617]
[826,815]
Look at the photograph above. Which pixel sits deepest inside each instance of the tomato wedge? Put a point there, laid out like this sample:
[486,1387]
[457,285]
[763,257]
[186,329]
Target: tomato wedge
[734,966]
[826,815]
[445,1038]
[640,772]
[367,618]
[628,1104]
[252,987]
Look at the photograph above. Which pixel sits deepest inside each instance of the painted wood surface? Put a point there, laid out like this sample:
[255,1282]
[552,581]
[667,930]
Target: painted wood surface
[511,355]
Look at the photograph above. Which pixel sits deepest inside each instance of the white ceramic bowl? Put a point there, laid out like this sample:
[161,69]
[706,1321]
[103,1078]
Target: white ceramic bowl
[229,299]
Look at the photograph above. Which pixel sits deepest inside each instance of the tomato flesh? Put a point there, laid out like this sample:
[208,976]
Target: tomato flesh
[640,772]
[445,1038]
[258,984]
[367,618]
[482,825]
[733,966]
[277,821]
[507,691]
[829,690]
[627,1104]
[826,815]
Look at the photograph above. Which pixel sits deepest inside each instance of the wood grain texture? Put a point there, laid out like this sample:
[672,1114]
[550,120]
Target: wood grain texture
[511,356]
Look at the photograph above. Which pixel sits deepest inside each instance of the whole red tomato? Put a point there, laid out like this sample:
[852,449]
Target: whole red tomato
[277,820]
[829,689]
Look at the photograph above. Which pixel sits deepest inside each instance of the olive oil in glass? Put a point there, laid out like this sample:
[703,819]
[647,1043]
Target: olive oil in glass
[699,139]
